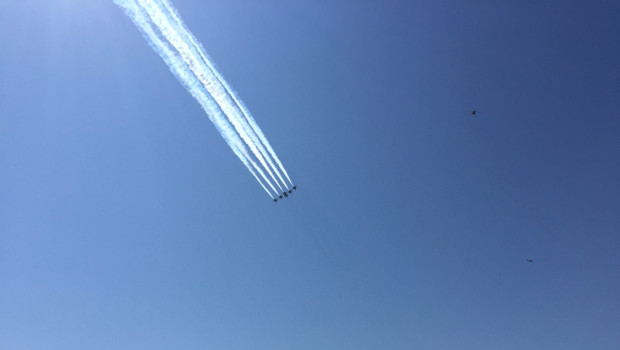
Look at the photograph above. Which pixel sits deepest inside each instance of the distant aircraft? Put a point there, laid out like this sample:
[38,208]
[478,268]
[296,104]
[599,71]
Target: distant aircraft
[285,194]
[473,112]
[290,191]
[295,187]
[280,197]
[529,260]
[275,200]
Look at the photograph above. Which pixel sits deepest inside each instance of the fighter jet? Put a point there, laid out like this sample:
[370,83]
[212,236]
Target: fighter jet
[290,191]
[529,260]
[473,112]
[275,200]
[285,194]
[280,197]
[295,188]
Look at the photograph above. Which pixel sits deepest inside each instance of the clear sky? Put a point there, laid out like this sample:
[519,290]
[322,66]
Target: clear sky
[126,222]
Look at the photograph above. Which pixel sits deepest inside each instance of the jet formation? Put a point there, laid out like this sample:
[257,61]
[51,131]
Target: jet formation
[285,194]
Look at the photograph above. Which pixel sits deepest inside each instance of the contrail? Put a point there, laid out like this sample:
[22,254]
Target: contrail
[182,29]
[245,161]
[208,79]
[183,73]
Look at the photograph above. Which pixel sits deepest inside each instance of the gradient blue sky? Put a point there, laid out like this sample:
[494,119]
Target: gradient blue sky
[126,222]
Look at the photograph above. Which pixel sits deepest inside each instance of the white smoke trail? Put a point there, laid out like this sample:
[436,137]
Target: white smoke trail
[187,79]
[255,129]
[259,132]
[207,78]
[245,161]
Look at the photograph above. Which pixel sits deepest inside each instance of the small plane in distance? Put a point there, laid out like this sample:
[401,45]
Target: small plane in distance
[529,260]
[280,197]
[285,194]
[473,112]
[275,200]
[290,191]
[295,188]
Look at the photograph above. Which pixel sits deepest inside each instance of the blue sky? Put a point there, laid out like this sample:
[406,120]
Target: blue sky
[126,221]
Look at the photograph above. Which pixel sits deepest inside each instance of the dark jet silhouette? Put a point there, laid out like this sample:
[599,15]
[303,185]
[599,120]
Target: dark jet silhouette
[473,112]
[285,194]
[290,191]
[280,197]
[295,187]
[529,260]
[275,200]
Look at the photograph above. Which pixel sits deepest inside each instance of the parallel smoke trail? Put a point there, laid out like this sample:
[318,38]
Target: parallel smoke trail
[260,134]
[246,113]
[190,82]
[256,177]
[206,76]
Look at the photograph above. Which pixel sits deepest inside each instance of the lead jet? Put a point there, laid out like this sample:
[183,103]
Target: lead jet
[295,188]
[275,200]
[529,260]
[473,112]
